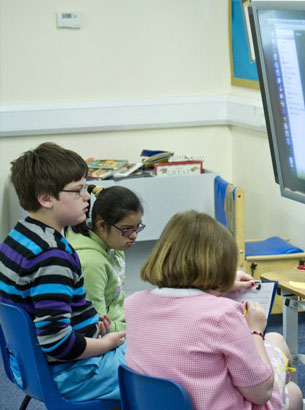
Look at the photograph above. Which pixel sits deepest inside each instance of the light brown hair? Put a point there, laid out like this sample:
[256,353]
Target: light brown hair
[194,251]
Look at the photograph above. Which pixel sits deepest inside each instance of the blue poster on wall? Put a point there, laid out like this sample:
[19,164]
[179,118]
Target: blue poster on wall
[244,71]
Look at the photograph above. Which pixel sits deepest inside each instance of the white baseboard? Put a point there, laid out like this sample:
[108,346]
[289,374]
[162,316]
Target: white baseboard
[126,115]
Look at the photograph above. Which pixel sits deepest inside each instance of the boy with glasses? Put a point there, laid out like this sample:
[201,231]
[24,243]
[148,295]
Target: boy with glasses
[40,271]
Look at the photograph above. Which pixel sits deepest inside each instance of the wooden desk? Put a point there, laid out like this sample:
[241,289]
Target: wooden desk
[291,306]
[283,277]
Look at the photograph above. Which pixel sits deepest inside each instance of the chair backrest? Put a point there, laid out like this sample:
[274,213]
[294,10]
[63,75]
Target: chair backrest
[139,391]
[20,350]
[229,211]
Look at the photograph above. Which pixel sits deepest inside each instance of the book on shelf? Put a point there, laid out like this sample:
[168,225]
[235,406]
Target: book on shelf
[112,164]
[179,168]
[186,157]
[94,173]
[128,170]
[125,171]
[153,157]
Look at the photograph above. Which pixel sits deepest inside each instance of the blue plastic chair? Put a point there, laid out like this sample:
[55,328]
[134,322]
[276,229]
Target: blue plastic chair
[143,392]
[18,338]
[274,245]
[257,256]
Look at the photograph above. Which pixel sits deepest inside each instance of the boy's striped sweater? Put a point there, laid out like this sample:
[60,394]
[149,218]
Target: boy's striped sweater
[40,271]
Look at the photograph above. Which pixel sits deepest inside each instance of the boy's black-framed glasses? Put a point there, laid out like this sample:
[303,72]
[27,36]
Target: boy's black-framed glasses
[129,231]
[80,191]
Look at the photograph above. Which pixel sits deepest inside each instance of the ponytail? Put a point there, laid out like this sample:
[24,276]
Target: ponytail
[83,227]
[112,204]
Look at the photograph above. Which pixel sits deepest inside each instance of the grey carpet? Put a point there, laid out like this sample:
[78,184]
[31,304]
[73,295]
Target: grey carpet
[11,397]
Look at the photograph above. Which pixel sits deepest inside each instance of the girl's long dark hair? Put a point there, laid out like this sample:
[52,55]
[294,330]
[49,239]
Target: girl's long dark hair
[111,204]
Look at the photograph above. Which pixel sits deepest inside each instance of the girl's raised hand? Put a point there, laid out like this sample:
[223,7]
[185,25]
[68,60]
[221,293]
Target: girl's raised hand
[242,281]
[255,316]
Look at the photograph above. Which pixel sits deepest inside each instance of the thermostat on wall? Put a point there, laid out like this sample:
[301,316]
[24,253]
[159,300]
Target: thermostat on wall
[68,19]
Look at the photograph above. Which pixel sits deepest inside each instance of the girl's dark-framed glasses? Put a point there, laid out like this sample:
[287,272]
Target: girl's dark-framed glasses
[128,231]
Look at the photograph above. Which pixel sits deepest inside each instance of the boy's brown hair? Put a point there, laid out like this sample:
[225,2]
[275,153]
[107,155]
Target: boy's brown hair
[46,169]
[194,251]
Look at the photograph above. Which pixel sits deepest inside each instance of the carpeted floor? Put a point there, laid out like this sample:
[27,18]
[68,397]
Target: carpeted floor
[11,397]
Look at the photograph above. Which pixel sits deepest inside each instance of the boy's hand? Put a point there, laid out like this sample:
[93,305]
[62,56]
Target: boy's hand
[114,339]
[101,345]
[104,325]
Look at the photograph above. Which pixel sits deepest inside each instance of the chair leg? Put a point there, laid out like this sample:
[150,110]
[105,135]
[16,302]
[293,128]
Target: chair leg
[25,403]
[253,267]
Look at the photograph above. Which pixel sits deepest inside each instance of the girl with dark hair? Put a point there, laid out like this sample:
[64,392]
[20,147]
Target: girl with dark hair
[116,219]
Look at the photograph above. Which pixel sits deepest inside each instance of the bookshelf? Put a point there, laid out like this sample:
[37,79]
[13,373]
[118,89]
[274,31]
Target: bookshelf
[162,197]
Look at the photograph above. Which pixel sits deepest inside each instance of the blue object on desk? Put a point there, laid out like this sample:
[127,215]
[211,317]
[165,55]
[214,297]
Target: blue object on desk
[271,246]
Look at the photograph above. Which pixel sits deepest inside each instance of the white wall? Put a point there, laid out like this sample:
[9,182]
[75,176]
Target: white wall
[129,50]
[125,49]
[266,212]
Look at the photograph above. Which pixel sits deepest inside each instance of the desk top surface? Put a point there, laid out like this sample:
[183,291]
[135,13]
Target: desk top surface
[284,279]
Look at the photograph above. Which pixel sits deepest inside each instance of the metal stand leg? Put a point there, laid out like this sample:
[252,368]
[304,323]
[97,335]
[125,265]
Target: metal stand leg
[25,403]
[291,329]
